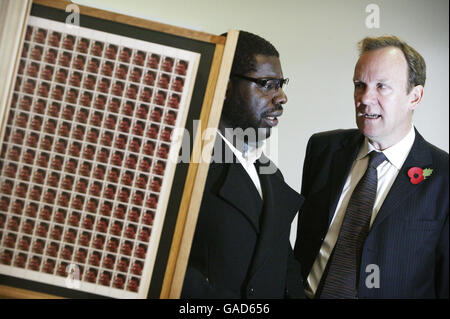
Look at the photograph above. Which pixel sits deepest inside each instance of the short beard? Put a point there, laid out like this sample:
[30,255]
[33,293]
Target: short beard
[236,115]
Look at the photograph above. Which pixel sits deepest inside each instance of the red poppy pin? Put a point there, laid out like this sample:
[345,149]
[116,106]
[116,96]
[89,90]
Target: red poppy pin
[417,174]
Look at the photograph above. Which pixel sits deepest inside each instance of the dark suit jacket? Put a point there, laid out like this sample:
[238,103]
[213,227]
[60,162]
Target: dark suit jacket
[409,238]
[241,246]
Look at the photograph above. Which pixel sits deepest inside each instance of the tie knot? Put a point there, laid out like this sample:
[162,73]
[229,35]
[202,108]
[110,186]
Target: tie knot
[376,158]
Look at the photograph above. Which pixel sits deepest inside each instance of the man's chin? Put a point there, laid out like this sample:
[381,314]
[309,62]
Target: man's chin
[367,129]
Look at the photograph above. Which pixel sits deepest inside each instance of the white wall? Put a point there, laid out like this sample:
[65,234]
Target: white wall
[317,42]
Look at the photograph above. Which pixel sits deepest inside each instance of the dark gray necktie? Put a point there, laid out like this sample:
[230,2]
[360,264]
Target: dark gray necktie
[341,279]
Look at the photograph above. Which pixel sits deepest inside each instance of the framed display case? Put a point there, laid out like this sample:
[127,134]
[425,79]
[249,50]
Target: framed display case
[97,107]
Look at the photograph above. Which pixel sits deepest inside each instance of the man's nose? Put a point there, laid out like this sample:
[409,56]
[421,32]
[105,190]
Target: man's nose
[368,96]
[280,97]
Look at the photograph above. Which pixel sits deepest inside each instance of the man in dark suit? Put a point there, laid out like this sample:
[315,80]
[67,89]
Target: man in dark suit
[241,245]
[375,219]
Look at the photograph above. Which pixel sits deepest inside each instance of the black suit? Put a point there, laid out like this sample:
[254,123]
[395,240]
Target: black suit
[409,238]
[241,245]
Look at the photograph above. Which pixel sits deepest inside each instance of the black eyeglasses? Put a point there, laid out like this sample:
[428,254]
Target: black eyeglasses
[267,84]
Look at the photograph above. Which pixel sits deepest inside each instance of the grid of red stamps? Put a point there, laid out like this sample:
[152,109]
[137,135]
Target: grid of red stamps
[84,155]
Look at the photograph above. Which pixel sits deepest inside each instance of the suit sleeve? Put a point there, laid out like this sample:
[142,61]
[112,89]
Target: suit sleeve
[307,168]
[305,192]
[442,263]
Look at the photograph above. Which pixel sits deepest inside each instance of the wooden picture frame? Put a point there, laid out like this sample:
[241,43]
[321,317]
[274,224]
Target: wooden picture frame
[164,259]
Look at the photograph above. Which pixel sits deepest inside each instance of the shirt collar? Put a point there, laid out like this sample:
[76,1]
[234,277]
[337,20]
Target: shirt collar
[396,154]
[251,152]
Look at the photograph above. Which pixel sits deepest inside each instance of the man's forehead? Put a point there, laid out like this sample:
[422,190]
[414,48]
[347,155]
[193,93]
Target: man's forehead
[384,63]
[386,54]
[267,66]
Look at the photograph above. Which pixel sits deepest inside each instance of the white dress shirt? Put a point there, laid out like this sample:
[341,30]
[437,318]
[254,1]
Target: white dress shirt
[387,173]
[247,158]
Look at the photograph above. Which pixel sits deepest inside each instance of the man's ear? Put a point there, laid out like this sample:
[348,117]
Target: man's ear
[415,96]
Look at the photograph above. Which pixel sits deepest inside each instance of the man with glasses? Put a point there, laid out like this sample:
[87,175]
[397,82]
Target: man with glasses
[241,246]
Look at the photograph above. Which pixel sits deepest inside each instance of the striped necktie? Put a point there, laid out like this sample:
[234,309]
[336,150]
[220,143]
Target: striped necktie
[341,279]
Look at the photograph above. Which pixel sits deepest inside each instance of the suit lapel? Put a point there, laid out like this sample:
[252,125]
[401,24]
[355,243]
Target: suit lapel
[340,168]
[239,191]
[281,203]
[402,188]
[238,188]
